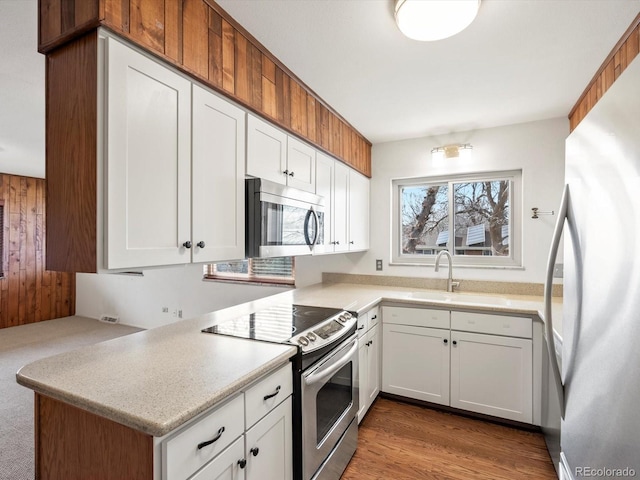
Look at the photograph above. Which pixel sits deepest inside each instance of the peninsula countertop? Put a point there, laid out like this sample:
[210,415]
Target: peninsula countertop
[158,379]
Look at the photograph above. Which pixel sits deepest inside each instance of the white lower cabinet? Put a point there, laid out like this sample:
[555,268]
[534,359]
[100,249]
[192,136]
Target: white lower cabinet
[369,359]
[416,362]
[485,365]
[221,445]
[226,466]
[492,374]
[269,446]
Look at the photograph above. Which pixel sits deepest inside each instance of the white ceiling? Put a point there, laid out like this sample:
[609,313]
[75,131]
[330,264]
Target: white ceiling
[521,60]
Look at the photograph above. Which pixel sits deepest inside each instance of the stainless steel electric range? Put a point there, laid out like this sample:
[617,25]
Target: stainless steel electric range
[325,428]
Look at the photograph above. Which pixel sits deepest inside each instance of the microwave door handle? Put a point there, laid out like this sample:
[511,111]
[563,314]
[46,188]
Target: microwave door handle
[322,373]
[317,221]
[548,285]
[311,243]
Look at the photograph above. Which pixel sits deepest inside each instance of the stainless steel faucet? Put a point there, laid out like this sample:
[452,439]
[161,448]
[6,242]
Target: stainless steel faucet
[450,283]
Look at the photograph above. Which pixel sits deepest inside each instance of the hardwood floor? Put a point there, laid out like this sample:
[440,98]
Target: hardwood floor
[400,441]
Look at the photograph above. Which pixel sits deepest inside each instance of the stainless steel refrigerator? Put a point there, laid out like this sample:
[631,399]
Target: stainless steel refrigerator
[600,378]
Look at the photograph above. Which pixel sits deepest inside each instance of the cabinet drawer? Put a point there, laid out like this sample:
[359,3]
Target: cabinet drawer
[279,383]
[419,317]
[181,454]
[492,324]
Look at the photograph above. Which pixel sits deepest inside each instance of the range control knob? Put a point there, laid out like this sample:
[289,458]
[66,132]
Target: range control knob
[348,316]
[341,319]
[303,341]
[311,336]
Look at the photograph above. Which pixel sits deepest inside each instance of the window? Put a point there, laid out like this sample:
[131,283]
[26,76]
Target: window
[473,217]
[278,270]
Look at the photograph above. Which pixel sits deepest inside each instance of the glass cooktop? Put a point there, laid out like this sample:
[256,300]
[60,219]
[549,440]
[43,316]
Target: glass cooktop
[274,324]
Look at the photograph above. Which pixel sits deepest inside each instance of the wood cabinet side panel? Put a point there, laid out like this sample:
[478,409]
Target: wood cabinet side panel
[73,443]
[71,167]
[61,20]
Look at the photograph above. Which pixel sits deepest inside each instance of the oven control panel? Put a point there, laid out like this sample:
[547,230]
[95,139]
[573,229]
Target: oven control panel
[324,333]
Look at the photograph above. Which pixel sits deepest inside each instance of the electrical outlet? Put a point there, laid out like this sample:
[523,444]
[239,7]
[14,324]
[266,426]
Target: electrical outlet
[180,313]
[558,270]
[165,309]
[379,265]
[109,318]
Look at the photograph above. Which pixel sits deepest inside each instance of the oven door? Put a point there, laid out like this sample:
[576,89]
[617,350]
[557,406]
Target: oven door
[329,403]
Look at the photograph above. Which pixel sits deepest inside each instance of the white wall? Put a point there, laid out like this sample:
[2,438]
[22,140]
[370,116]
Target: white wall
[139,300]
[537,148]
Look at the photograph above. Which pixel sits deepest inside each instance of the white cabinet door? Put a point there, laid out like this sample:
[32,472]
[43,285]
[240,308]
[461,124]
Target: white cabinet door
[373,364]
[358,211]
[363,376]
[266,151]
[226,466]
[148,158]
[324,188]
[340,206]
[218,178]
[416,362]
[269,446]
[493,375]
[301,165]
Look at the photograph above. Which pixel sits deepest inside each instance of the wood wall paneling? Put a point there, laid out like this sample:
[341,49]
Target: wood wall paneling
[71,167]
[26,293]
[71,441]
[620,57]
[200,38]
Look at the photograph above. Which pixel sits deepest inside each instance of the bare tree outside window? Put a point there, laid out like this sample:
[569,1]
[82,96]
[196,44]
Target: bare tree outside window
[480,211]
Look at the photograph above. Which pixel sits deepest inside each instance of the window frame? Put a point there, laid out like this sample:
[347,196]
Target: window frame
[513,260]
[249,278]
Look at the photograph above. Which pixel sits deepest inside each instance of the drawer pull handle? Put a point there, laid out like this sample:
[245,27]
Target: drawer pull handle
[242,463]
[214,439]
[254,451]
[267,397]
[455,342]
[374,317]
[360,328]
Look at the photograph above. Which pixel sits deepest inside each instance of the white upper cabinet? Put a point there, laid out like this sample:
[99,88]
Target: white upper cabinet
[148,161]
[266,151]
[278,157]
[218,178]
[175,162]
[324,188]
[340,207]
[301,165]
[346,194]
[358,211]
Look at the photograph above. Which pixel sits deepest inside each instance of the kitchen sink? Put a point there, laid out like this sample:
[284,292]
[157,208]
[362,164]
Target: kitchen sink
[461,298]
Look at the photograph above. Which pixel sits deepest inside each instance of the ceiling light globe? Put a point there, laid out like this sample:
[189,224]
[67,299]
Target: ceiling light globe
[429,20]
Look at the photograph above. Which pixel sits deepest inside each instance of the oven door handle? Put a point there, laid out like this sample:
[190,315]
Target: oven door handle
[322,373]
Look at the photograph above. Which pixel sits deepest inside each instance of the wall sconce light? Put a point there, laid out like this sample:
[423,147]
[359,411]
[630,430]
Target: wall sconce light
[457,150]
[428,20]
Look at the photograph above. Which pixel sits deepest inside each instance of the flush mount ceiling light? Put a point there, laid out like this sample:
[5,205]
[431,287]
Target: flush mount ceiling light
[428,20]
[457,150]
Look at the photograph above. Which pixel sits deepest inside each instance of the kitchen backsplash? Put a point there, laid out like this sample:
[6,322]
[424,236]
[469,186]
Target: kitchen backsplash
[476,286]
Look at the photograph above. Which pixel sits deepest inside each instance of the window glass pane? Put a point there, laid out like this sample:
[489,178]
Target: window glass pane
[482,219]
[425,218]
[260,270]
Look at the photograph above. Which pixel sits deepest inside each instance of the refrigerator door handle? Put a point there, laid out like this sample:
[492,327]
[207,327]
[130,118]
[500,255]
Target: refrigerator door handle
[548,285]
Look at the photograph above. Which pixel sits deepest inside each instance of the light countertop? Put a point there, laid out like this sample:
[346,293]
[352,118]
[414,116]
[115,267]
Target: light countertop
[156,380]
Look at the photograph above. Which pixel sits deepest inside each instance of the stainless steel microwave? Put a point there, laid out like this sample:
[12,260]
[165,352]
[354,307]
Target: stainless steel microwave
[282,221]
